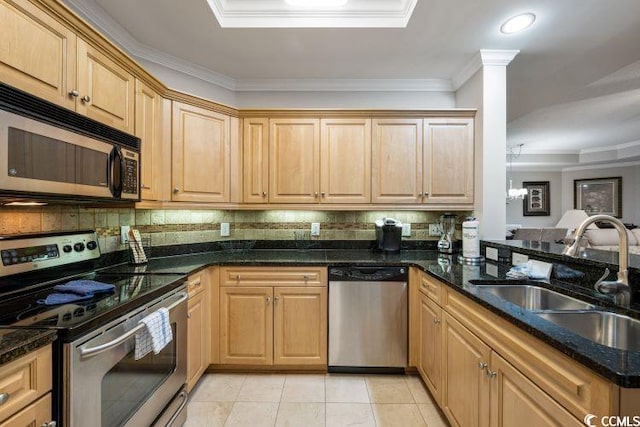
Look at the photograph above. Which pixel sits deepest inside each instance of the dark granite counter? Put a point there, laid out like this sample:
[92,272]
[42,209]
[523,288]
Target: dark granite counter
[620,367]
[18,342]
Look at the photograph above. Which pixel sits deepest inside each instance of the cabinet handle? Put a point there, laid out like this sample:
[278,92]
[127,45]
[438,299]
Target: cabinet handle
[436,320]
[49,424]
[276,298]
[4,397]
[315,194]
[188,315]
[86,98]
[482,366]
[196,282]
[176,190]
[268,300]
[306,278]
[323,194]
[426,194]
[264,194]
[74,93]
[238,277]
[145,187]
[491,374]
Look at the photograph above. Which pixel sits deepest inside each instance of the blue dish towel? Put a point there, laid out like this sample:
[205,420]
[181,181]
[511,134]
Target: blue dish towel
[86,288]
[76,290]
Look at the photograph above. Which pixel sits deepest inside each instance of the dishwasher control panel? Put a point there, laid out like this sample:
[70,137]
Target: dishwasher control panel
[368,273]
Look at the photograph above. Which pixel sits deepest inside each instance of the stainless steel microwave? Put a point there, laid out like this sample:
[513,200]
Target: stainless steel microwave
[45,156]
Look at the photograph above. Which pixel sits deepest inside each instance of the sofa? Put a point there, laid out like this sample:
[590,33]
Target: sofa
[606,239]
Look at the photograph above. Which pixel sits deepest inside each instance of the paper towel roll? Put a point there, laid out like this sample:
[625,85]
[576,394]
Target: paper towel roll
[471,238]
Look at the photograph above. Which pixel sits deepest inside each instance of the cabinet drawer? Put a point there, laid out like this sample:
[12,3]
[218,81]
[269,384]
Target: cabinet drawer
[430,287]
[196,283]
[36,414]
[25,380]
[273,276]
[575,387]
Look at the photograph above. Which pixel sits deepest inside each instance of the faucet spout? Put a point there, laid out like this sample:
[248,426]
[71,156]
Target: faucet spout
[620,288]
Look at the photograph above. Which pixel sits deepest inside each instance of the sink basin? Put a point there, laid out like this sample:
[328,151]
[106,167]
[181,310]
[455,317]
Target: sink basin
[536,298]
[610,329]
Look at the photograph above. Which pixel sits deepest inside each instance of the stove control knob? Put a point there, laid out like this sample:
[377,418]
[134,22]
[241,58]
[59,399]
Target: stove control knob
[67,248]
[78,247]
[92,245]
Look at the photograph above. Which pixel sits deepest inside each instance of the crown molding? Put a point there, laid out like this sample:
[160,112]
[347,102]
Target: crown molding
[344,85]
[278,14]
[602,166]
[486,57]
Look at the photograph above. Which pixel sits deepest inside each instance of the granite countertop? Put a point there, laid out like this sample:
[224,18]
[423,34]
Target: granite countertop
[18,342]
[620,367]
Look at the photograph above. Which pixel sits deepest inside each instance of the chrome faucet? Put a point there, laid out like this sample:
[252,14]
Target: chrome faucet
[619,288]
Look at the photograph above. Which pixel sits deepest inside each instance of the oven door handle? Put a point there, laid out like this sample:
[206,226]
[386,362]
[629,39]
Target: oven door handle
[87,353]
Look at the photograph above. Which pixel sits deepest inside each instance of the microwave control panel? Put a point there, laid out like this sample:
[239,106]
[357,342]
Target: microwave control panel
[130,174]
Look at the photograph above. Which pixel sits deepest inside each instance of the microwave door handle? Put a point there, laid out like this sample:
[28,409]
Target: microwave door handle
[116,169]
[87,353]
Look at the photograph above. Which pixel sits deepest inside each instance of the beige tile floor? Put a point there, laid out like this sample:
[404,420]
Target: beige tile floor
[310,400]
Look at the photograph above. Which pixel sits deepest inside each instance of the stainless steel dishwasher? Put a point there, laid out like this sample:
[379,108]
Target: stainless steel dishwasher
[367,319]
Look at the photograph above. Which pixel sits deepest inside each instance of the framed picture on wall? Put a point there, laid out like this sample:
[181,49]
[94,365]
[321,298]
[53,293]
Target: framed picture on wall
[598,196]
[536,202]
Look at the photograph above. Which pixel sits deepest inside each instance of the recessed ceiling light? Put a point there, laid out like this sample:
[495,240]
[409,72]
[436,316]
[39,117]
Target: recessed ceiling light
[316,3]
[518,23]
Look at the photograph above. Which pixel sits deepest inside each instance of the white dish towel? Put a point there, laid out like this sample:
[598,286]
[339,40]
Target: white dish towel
[155,335]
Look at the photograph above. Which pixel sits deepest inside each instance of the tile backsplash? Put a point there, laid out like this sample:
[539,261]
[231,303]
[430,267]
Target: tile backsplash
[166,227]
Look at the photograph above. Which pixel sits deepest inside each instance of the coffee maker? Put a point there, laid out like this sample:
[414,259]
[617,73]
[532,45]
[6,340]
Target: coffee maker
[447,228]
[388,234]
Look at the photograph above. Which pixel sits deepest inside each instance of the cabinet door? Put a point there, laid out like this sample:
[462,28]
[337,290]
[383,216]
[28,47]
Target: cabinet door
[448,161]
[149,129]
[430,359]
[465,392]
[37,53]
[294,155]
[255,174]
[246,326]
[345,160]
[300,326]
[201,155]
[196,325]
[396,168]
[36,414]
[106,91]
[515,400]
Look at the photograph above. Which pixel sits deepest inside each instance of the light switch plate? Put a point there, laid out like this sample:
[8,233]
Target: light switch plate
[406,230]
[434,230]
[517,259]
[124,233]
[491,253]
[315,228]
[224,229]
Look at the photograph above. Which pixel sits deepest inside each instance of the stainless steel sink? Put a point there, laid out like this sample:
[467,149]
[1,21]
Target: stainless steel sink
[610,329]
[536,298]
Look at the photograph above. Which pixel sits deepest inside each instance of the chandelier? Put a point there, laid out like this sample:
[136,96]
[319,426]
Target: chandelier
[514,152]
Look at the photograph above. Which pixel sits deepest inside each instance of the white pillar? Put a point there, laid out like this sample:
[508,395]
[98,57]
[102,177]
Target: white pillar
[483,85]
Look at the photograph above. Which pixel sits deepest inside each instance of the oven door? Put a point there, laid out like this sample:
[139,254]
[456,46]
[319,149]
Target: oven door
[108,387]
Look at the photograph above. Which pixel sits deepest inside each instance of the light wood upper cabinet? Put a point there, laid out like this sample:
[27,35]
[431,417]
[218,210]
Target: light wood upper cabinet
[37,53]
[255,160]
[465,393]
[201,155]
[106,90]
[148,125]
[345,159]
[396,169]
[300,326]
[294,160]
[448,161]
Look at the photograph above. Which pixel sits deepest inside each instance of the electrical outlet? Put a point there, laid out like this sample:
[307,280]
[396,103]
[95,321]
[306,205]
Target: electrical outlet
[124,233]
[492,253]
[406,230]
[517,259]
[315,228]
[224,229]
[434,230]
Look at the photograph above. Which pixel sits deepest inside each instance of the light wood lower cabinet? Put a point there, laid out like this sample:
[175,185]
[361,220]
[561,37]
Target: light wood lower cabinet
[275,324]
[27,382]
[493,373]
[430,353]
[198,326]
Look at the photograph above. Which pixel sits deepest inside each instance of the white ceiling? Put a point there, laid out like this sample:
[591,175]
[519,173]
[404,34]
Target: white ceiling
[574,87]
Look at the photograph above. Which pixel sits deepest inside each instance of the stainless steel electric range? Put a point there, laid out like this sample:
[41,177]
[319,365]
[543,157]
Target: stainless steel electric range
[97,380]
